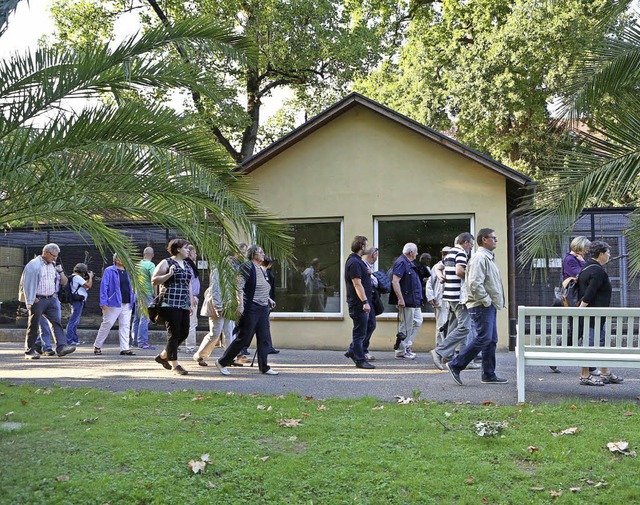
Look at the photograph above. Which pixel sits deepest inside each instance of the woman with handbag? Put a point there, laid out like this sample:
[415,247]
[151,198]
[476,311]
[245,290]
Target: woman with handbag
[174,274]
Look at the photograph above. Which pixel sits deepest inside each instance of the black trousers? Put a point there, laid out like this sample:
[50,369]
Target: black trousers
[177,324]
[254,320]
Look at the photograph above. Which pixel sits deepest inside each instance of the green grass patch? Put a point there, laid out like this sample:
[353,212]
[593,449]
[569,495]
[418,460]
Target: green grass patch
[61,445]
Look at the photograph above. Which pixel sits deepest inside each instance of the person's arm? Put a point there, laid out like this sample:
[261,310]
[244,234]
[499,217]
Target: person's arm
[594,282]
[162,273]
[475,283]
[89,283]
[64,280]
[395,283]
[439,269]
[357,284]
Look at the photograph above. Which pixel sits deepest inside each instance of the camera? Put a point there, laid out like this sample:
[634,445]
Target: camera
[400,336]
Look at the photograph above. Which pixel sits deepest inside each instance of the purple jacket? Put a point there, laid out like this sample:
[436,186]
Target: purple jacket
[110,288]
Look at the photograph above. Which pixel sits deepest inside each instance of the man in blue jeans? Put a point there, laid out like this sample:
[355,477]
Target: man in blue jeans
[359,294]
[141,321]
[485,296]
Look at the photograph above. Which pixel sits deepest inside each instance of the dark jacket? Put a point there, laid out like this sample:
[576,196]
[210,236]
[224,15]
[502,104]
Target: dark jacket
[594,286]
[410,283]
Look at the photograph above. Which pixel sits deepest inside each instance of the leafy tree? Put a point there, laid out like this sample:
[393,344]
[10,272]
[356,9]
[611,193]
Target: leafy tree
[487,70]
[313,47]
[122,159]
[605,164]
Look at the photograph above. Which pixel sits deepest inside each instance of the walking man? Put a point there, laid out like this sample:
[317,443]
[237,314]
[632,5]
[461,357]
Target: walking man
[141,321]
[406,293]
[359,294]
[485,296]
[433,290]
[38,291]
[459,325]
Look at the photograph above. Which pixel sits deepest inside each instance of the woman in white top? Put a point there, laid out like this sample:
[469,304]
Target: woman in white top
[81,279]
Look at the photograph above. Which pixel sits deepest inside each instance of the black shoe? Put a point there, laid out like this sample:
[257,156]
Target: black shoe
[274,351]
[235,363]
[455,373]
[495,380]
[49,352]
[180,371]
[65,349]
[554,369]
[245,352]
[31,355]
[349,355]
[364,364]
[128,352]
[163,361]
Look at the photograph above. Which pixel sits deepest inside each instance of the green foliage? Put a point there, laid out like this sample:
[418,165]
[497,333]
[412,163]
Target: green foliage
[314,46]
[487,70]
[604,166]
[87,446]
[122,159]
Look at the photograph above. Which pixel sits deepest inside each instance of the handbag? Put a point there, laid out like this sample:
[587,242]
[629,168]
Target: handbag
[376,300]
[208,305]
[155,314]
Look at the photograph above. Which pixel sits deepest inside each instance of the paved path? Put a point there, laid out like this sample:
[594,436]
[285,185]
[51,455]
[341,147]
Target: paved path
[320,374]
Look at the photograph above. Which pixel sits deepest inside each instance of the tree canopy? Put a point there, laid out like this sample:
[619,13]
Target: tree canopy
[123,158]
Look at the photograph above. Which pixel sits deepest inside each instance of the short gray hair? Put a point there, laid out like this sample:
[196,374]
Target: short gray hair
[51,248]
[464,237]
[409,247]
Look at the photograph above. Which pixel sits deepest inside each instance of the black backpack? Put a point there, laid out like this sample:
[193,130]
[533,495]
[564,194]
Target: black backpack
[66,295]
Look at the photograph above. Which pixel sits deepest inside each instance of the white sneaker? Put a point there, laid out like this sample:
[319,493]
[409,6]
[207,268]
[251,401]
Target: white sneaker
[271,371]
[369,357]
[223,369]
[410,355]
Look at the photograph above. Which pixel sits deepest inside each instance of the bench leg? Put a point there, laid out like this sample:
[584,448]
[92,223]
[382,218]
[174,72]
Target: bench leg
[520,375]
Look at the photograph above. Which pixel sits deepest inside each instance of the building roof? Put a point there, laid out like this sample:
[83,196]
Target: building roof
[516,179]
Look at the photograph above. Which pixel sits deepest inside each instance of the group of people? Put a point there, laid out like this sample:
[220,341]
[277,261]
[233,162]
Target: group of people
[472,290]
[465,290]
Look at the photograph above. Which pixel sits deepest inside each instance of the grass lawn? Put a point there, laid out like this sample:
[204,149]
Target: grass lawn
[83,446]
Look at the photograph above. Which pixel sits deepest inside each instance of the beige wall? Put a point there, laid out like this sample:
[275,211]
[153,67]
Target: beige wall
[360,166]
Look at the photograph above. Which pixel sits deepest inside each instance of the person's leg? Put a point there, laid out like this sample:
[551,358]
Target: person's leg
[124,325]
[371,327]
[191,342]
[416,322]
[53,312]
[142,334]
[360,320]
[210,340]
[246,330]
[227,328]
[263,338]
[33,324]
[405,326]
[484,320]
[177,324]
[109,317]
[74,320]
[457,333]
[45,335]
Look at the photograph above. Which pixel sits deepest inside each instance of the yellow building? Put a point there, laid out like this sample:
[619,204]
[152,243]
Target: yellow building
[359,168]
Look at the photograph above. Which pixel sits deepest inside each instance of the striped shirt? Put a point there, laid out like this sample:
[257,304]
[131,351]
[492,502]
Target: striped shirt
[261,295]
[47,284]
[452,283]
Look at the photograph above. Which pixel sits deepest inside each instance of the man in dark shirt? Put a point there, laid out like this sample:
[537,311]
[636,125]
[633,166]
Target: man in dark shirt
[359,293]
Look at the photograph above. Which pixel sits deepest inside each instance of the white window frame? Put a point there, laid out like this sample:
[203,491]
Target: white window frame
[416,217]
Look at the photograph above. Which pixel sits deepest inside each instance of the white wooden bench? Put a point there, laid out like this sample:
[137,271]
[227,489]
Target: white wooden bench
[543,331]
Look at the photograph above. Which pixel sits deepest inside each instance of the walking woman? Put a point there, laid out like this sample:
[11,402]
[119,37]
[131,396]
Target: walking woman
[174,274]
[256,305]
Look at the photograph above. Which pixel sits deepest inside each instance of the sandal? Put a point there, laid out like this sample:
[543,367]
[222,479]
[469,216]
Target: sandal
[611,379]
[97,350]
[591,381]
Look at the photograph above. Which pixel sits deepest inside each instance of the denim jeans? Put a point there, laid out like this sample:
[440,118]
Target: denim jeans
[371,327]
[359,333]
[49,308]
[74,320]
[141,322]
[484,321]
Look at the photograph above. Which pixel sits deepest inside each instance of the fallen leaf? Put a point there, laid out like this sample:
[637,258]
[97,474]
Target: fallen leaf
[536,489]
[62,478]
[264,458]
[211,484]
[469,480]
[184,417]
[230,393]
[618,446]
[321,407]
[378,407]
[90,420]
[304,414]
[269,408]
[205,457]
[555,494]
[600,484]
[293,438]
[573,407]
[102,408]
[568,431]
[533,449]
[575,489]
[197,466]
[45,428]
[404,401]
[308,398]
[77,404]
[47,391]
[197,398]
[262,407]
[289,423]
[629,414]
[24,402]
[280,397]
[447,414]
[487,402]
